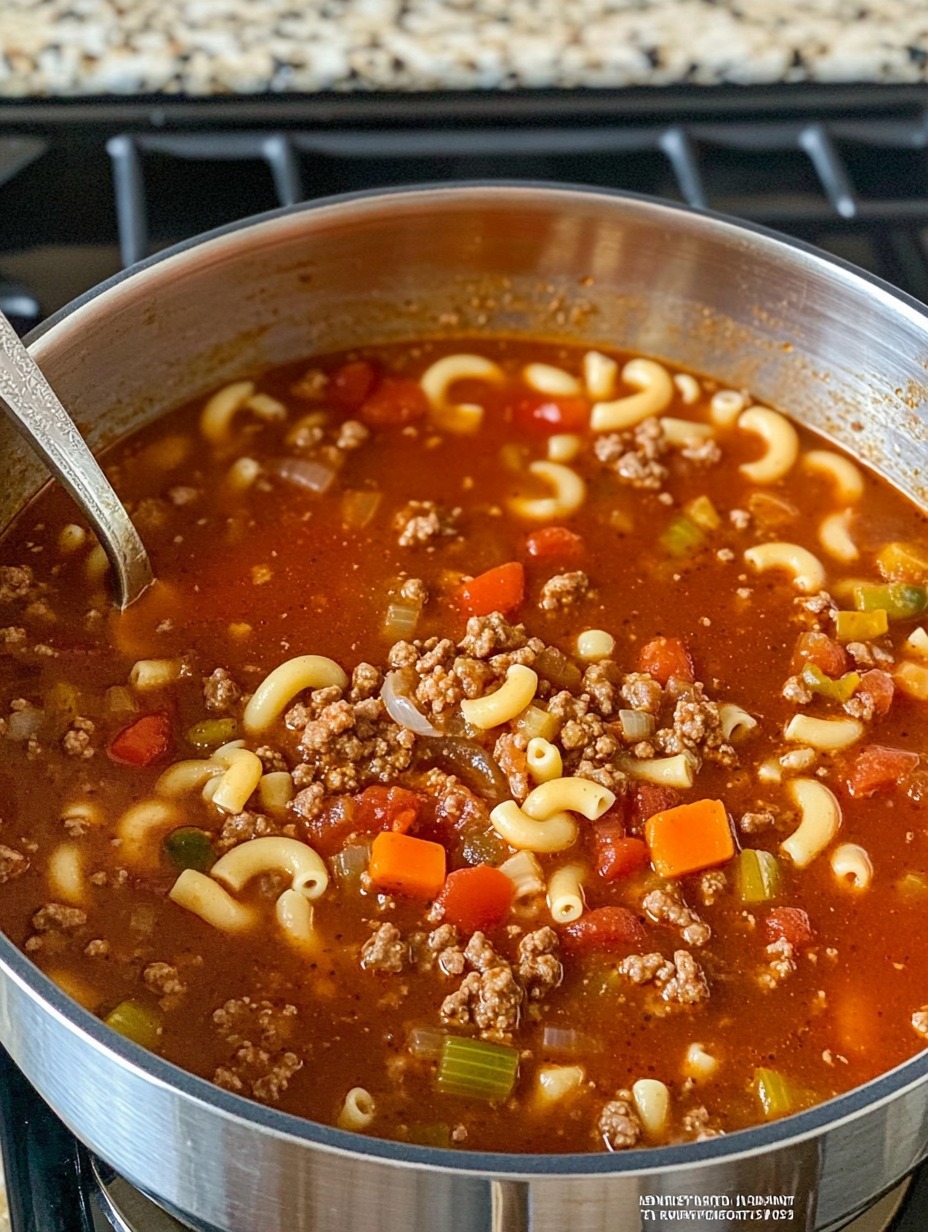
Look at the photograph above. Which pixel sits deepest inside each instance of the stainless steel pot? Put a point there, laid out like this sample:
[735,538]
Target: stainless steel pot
[833,347]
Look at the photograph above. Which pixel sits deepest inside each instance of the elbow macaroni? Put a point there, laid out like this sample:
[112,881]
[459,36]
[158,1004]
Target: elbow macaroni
[835,537]
[206,898]
[652,1103]
[358,1110]
[141,825]
[782,443]
[216,417]
[565,894]
[734,721]
[725,407]
[547,379]
[827,735]
[262,855]
[511,698]
[437,380]
[154,673]
[676,771]
[852,866]
[544,760]
[819,822]
[655,392]
[555,833]
[572,794]
[240,778]
[846,478]
[599,375]
[807,571]
[569,494]
[66,874]
[294,914]
[280,686]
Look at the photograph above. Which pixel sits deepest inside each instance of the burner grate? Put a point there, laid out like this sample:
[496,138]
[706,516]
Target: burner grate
[843,168]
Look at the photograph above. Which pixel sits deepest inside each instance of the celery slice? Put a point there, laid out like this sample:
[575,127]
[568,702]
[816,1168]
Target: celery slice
[776,1094]
[840,690]
[861,626]
[899,600]
[476,1068]
[136,1022]
[189,847]
[682,537]
[211,733]
[758,876]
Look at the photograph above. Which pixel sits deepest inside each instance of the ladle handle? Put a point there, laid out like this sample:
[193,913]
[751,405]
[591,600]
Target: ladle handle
[33,406]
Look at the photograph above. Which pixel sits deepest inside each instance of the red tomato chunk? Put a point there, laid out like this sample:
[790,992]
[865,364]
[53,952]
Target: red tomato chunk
[616,854]
[822,651]
[878,768]
[498,590]
[603,931]
[143,741]
[476,898]
[351,384]
[879,687]
[664,657]
[396,401]
[549,415]
[554,541]
[788,924]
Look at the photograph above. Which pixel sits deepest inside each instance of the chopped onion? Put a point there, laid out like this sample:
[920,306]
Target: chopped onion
[359,506]
[351,862]
[636,725]
[401,620]
[402,710]
[566,1039]
[426,1042]
[302,473]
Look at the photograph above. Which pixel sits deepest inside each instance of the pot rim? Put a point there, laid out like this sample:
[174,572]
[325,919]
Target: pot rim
[739,1144]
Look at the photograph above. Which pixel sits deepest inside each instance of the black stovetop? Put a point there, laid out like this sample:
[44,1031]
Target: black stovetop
[89,186]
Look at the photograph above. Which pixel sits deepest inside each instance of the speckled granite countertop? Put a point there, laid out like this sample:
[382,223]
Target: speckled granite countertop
[208,47]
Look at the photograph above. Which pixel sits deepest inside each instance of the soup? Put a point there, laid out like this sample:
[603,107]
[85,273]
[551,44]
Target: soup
[520,750]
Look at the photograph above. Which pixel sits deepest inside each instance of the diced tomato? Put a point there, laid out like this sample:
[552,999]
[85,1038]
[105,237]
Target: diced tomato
[372,810]
[386,808]
[878,768]
[821,650]
[603,931]
[554,541]
[498,590]
[788,924]
[350,384]
[879,687]
[397,400]
[617,855]
[664,657]
[651,798]
[549,415]
[476,898]
[143,741]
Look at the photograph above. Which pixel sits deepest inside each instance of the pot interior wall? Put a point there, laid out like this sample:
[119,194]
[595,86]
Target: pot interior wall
[802,334]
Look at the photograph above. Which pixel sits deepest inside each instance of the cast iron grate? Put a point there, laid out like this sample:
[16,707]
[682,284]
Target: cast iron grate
[847,170]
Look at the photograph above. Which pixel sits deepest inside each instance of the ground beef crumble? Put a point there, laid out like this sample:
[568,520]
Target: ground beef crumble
[540,967]
[679,982]
[634,456]
[164,980]
[564,590]
[781,956]
[385,950]
[76,741]
[220,692]
[17,582]
[53,923]
[12,863]
[920,1022]
[618,1124]
[666,907]
[421,521]
[241,827]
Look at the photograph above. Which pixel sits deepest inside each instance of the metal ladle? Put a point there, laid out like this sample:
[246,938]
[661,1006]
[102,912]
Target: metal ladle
[33,406]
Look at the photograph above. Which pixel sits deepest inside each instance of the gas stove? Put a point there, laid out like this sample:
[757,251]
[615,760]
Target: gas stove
[90,186]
